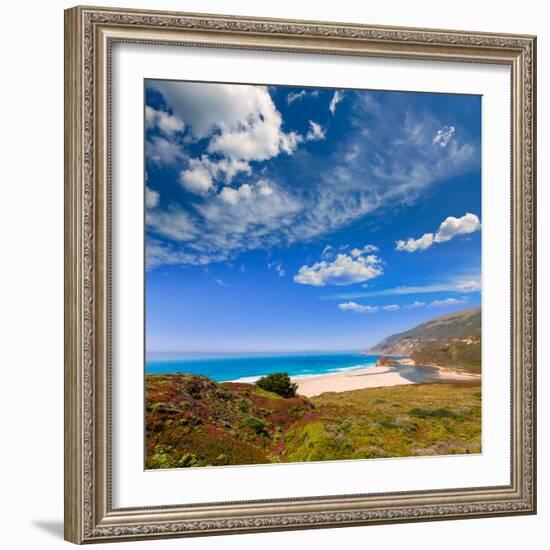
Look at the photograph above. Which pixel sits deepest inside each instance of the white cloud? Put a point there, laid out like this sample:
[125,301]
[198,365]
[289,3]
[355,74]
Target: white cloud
[240,121]
[197,178]
[160,150]
[358,308]
[318,198]
[315,132]
[443,136]
[201,172]
[226,229]
[336,98]
[152,198]
[469,286]
[411,245]
[230,168]
[459,283]
[205,107]
[162,120]
[173,223]
[367,249]
[446,302]
[233,196]
[449,228]
[245,192]
[344,270]
[295,96]
[259,140]
[264,189]
[452,227]
[158,253]
[416,305]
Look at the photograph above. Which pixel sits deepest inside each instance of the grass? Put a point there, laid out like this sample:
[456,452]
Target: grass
[192,421]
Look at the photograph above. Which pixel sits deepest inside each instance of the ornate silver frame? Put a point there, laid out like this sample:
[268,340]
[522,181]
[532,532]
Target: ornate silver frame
[89,36]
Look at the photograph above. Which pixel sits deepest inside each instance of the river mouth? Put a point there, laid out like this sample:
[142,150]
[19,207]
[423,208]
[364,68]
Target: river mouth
[420,374]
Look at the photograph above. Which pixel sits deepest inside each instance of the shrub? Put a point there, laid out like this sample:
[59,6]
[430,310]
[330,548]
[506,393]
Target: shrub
[434,413]
[188,460]
[279,383]
[243,405]
[255,424]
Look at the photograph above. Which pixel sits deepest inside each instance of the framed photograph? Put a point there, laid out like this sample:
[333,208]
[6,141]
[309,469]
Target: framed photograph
[300,274]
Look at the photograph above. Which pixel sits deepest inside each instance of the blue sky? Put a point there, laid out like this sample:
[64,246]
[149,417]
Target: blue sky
[304,219]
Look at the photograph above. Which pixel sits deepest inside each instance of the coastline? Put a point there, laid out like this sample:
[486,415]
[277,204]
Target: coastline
[378,377]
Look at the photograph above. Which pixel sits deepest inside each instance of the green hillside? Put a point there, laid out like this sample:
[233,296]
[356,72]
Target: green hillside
[449,340]
[193,421]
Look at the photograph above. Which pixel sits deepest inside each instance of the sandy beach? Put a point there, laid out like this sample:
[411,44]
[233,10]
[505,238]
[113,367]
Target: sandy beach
[457,374]
[373,377]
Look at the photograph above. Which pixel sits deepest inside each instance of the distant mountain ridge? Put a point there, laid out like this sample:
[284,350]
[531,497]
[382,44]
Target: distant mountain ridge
[453,339]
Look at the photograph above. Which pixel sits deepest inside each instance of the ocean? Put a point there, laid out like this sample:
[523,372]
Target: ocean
[248,368]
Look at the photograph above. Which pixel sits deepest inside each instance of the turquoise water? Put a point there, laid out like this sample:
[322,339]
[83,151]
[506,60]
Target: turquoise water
[248,368]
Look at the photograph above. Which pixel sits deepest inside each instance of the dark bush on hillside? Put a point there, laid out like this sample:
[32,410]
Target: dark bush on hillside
[255,424]
[279,383]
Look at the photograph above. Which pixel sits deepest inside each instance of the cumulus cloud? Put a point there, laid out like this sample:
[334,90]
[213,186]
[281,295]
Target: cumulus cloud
[205,108]
[443,136]
[245,192]
[163,148]
[233,196]
[336,98]
[162,151]
[201,172]
[391,307]
[411,245]
[343,270]
[229,168]
[315,132]
[197,178]
[260,139]
[162,120]
[152,198]
[447,302]
[449,228]
[357,308]
[241,121]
